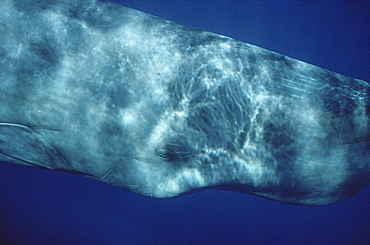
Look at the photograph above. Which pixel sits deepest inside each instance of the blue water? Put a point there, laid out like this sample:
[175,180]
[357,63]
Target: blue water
[46,207]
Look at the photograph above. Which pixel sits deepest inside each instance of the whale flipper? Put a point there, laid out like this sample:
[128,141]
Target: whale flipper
[160,109]
[23,145]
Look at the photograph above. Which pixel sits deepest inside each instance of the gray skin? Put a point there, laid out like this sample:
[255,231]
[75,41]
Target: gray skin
[160,109]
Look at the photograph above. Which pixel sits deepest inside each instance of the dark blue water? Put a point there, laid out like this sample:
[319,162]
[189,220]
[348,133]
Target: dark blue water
[45,207]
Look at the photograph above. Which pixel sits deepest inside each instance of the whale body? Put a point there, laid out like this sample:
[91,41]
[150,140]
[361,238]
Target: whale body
[160,109]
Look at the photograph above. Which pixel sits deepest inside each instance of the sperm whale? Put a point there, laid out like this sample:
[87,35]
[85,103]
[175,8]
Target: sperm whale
[160,109]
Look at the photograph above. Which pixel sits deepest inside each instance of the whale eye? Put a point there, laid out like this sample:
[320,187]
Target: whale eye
[164,153]
[174,152]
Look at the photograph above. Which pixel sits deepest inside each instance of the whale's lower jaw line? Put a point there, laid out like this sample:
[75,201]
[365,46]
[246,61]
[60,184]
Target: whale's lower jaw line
[163,110]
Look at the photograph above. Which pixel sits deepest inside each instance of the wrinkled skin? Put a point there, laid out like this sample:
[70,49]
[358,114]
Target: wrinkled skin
[160,109]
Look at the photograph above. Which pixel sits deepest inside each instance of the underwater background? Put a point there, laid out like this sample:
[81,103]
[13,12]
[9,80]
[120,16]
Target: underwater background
[48,207]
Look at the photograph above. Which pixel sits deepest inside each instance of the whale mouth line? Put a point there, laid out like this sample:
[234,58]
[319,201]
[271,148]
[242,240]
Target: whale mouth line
[25,161]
